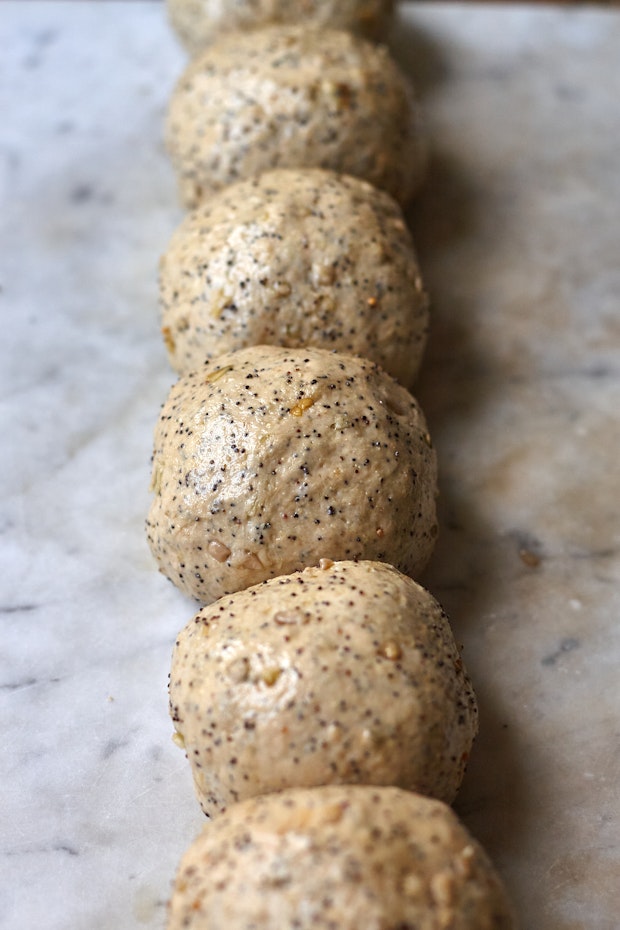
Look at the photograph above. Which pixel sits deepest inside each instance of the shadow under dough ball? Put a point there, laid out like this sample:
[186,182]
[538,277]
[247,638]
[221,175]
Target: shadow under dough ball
[267,460]
[347,673]
[294,97]
[199,22]
[292,258]
[349,857]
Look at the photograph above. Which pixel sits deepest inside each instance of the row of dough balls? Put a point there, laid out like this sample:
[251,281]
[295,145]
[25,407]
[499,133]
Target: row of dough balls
[304,263]
[295,681]
[327,718]
[295,148]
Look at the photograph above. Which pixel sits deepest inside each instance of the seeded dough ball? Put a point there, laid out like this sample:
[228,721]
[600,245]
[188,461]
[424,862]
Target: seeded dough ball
[199,22]
[293,97]
[269,459]
[295,258]
[347,673]
[345,857]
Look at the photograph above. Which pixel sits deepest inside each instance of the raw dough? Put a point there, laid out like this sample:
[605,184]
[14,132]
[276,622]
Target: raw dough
[268,459]
[198,22]
[346,673]
[293,97]
[295,258]
[345,857]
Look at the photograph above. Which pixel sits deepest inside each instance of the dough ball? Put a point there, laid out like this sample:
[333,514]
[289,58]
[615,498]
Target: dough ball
[268,460]
[345,857]
[295,258]
[347,673]
[293,97]
[199,22]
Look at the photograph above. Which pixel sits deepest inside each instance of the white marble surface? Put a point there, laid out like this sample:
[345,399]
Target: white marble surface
[519,237]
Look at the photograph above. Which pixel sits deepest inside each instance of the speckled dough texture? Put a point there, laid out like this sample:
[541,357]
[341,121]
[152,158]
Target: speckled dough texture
[268,459]
[347,673]
[295,258]
[293,97]
[347,857]
[199,22]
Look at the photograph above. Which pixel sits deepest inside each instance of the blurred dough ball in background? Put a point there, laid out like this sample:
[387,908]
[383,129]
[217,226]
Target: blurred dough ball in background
[293,97]
[347,857]
[267,460]
[346,673]
[292,258]
[199,22]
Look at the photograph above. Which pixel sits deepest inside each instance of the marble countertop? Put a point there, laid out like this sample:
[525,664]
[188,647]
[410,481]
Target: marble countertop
[519,238]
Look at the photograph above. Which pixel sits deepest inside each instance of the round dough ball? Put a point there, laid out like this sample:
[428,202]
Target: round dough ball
[345,857]
[268,460]
[343,674]
[295,258]
[292,97]
[199,22]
